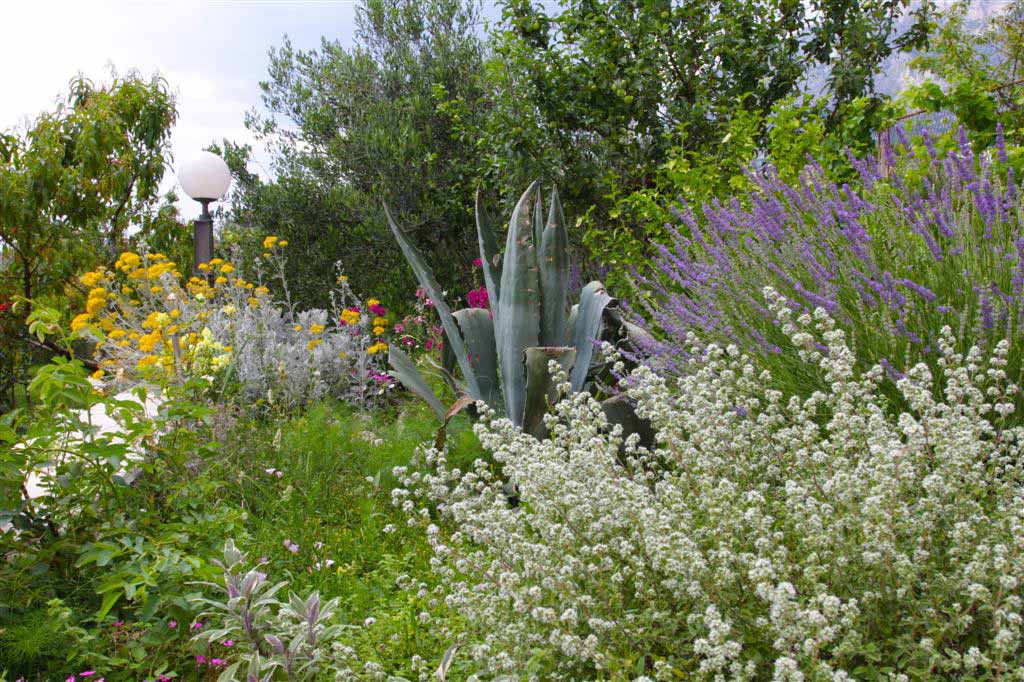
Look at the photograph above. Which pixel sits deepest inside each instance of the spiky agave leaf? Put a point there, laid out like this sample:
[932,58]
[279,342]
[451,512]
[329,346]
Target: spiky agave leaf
[489,256]
[553,262]
[406,372]
[587,329]
[541,390]
[426,279]
[518,318]
[478,331]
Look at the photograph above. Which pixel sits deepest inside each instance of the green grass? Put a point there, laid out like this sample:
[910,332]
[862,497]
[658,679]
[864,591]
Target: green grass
[333,500]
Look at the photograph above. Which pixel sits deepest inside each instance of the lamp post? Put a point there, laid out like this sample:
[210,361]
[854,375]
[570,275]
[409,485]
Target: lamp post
[205,178]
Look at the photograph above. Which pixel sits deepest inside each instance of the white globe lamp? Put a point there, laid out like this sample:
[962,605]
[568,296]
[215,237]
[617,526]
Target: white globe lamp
[205,178]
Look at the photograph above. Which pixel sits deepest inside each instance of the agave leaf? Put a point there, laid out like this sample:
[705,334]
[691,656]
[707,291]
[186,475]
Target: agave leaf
[620,409]
[553,262]
[538,218]
[489,255]
[518,318]
[426,279]
[411,378]
[541,391]
[587,329]
[478,332]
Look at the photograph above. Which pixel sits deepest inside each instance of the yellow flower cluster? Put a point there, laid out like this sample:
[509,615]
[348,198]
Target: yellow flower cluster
[349,316]
[377,348]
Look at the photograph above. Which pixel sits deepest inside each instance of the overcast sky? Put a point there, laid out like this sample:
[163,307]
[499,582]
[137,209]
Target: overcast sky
[213,54]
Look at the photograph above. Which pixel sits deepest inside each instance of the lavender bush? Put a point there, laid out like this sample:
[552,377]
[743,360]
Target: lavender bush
[764,538]
[929,240]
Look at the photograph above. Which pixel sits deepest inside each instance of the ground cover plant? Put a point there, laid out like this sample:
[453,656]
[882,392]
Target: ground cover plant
[763,538]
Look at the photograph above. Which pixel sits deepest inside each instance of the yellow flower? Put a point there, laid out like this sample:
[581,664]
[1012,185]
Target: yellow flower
[377,348]
[126,289]
[372,302]
[283,242]
[349,316]
[216,261]
[253,302]
[91,279]
[298,327]
[229,310]
[149,341]
[127,261]
[220,280]
[380,321]
[266,254]
[378,330]
[204,266]
[175,314]
[316,329]
[342,279]
[156,290]
[314,343]
[117,334]
[97,299]
[98,374]
[173,329]
[80,322]
[227,268]
[269,242]
[261,291]
[147,361]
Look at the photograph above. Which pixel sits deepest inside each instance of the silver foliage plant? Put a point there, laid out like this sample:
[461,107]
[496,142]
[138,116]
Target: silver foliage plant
[272,359]
[763,537]
[293,639]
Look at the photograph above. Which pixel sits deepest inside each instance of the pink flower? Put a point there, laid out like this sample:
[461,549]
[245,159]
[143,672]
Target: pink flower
[229,642]
[477,263]
[429,344]
[172,624]
[216,662]
[196,626]
[291,546]
[118,623]
[200,660]
[71,678]
[87,673]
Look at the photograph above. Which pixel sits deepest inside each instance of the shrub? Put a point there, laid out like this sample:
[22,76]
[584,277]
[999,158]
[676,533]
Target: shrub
[763,538]
[929,241]
[148,322]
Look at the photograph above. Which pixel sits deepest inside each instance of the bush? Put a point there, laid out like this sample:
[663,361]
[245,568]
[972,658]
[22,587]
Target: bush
[930,241]
[148,323]
[763,538]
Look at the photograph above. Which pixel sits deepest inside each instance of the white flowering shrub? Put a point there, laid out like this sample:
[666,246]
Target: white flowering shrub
[762,538]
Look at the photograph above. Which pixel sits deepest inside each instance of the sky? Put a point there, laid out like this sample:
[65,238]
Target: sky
[213,53]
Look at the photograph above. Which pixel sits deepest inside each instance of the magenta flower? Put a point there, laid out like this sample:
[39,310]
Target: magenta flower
[477,263]
[196,626]
[87,673]
[172,624]
[217,662]
[229,642]
[200,660]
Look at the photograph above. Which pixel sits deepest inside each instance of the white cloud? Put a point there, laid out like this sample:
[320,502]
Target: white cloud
[212,54]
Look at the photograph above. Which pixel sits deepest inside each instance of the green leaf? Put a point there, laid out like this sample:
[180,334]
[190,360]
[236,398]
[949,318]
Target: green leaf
[518,318]
[109,599]
[541,390]
[426,279]
[489,256]
[553,262]
[406,372]
[587,329]
[478,330]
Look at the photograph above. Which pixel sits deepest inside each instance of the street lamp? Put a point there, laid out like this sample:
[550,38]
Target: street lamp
[204,178]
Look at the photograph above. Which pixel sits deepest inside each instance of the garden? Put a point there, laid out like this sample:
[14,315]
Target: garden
[602,341]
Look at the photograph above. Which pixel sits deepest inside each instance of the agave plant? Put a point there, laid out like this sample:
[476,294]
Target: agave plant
[504,353]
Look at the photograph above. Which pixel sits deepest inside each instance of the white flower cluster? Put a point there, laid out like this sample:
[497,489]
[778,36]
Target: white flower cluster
[764,537]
